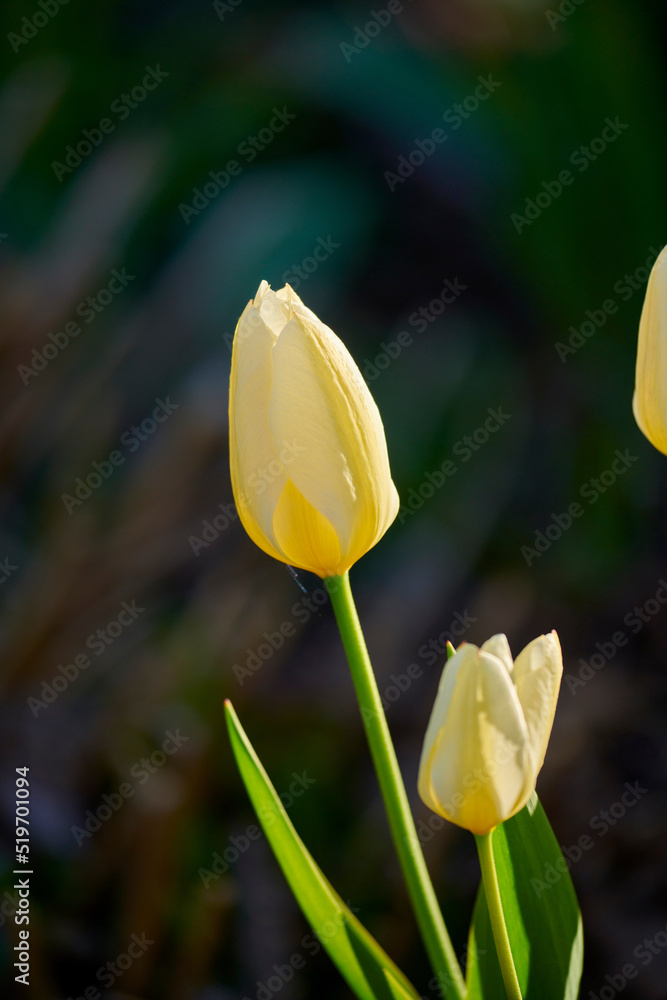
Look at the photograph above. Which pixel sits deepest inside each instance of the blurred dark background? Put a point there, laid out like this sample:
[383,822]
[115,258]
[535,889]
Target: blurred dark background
[319,106]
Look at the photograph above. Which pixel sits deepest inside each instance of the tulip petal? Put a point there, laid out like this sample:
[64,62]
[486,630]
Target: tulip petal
[319,399]
[500,647]
[537,674]
[273,310]
[298,400]
[251,447]
[475,771]
[650,402]
[465,653]
[304,535]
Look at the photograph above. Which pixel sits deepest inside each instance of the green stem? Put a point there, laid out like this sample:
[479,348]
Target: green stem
[427,911]
[498,925]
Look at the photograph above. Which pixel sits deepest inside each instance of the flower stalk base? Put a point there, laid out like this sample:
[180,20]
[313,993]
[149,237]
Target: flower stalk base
[427,911]
[498,926]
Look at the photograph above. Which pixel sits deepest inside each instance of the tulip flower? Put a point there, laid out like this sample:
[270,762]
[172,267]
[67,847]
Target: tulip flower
[489,729]
[309,465]
[650,399]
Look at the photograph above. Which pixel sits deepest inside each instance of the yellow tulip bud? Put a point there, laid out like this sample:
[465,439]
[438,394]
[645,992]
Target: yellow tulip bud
[489,729]
[309,465]
[650,399]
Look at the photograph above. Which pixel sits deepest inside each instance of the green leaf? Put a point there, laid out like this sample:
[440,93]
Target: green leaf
[367,969]
[541,912]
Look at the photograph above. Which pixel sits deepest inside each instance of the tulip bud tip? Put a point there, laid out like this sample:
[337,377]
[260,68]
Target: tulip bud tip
[298,404]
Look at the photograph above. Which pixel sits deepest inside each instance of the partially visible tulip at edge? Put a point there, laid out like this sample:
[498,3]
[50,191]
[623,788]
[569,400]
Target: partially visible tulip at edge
[309,464]
[489,729]
[650,399]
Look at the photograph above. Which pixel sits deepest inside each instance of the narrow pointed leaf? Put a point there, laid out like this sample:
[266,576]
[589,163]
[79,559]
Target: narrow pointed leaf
[367,969]
[541,912]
